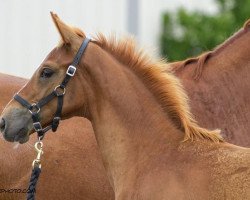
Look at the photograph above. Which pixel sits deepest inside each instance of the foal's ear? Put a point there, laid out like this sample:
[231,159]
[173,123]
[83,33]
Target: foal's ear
[68,34]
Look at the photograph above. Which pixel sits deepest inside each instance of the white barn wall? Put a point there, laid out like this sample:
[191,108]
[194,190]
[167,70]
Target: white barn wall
[28,34]
[150,24]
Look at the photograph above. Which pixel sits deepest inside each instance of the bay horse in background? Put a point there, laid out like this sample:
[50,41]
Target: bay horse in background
[151,146]
[218,86]
[71,169]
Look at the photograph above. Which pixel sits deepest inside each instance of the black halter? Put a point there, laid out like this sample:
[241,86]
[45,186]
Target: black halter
[58,92]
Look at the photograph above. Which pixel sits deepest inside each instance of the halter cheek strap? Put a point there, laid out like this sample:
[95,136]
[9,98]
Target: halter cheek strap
[58,92]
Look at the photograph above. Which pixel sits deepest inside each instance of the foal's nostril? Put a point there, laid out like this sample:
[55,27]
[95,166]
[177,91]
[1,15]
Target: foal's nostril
[2,124]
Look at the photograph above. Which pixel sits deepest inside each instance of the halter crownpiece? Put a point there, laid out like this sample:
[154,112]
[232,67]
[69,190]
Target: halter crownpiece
[58,92]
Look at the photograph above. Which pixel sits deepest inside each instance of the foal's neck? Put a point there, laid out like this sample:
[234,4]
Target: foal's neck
[130,125]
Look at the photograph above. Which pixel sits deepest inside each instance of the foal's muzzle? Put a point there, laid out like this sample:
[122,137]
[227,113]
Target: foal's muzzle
[15,126]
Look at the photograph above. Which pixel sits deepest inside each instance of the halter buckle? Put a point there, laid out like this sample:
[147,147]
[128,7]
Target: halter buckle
[37,126]
[71,70]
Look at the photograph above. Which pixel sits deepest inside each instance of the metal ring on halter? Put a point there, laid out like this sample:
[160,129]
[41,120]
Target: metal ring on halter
[34,108]
[58,92]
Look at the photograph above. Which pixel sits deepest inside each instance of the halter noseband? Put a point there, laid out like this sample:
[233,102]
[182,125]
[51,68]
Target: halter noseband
[58,92]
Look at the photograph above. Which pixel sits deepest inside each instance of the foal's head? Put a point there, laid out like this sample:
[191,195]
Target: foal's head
[16,122]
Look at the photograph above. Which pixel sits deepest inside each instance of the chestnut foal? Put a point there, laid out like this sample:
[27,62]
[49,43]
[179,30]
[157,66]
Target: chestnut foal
[140,118]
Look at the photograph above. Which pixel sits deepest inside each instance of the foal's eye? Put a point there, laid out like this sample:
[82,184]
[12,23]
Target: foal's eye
[46,73]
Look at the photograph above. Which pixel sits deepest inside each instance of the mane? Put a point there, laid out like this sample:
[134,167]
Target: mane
[203,58]
[164,85]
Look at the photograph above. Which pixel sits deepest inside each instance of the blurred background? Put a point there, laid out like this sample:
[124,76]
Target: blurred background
[173,29]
